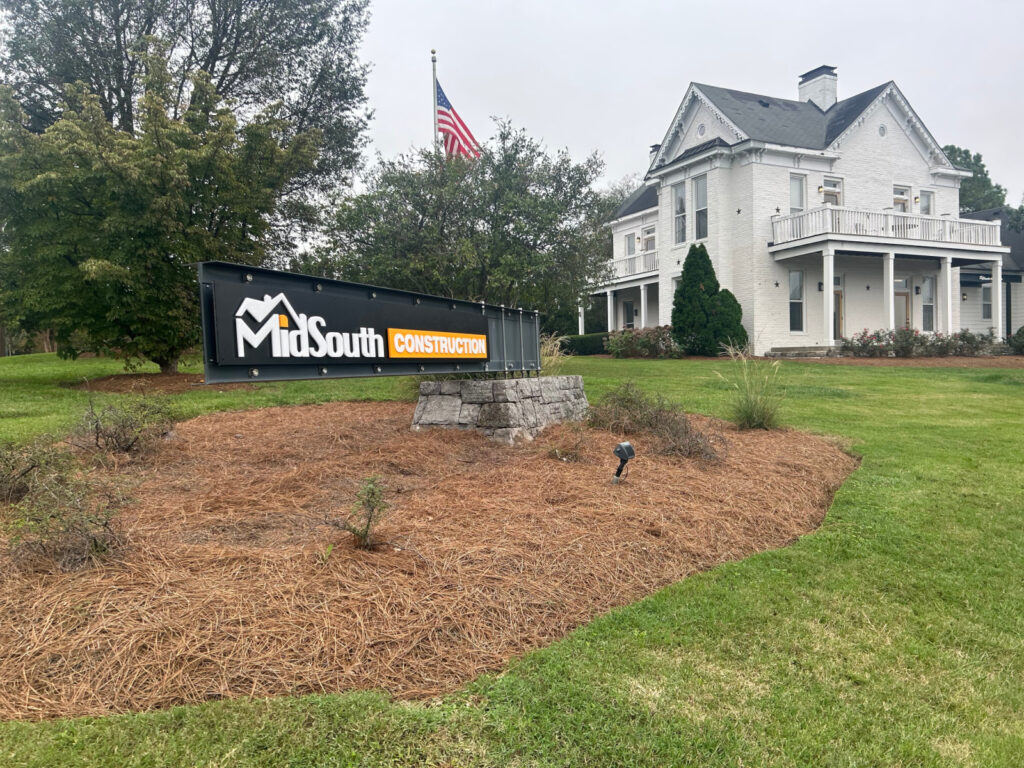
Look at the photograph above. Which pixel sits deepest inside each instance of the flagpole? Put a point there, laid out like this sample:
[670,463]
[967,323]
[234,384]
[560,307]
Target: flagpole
[433,63]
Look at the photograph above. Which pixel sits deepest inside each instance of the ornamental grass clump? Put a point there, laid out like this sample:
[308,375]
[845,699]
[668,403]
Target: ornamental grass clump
[757,392]
[553,354]
[627,410]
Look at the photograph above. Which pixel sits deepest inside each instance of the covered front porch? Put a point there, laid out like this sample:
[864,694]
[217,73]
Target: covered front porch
[880,270]
[631,305]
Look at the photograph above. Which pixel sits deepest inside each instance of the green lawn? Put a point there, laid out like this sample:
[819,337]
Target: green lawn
[894,636]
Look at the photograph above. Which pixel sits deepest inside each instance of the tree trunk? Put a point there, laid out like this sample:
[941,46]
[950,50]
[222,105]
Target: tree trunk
[168,366]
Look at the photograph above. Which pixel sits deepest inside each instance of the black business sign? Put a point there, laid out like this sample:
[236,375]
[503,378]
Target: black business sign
[261,324]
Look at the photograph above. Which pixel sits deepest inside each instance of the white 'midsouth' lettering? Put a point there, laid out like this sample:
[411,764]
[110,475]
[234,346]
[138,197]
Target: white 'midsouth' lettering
[306,338]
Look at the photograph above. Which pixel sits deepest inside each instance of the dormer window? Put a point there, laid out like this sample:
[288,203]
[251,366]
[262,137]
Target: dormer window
[901,199]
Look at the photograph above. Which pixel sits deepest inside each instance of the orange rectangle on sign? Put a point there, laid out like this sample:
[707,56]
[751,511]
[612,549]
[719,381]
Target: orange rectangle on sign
[403,342]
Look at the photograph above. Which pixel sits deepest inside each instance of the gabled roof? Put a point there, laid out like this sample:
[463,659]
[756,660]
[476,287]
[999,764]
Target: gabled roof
[641,200]
[788,122]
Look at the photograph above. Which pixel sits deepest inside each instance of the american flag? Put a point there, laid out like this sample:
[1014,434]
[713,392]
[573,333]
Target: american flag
[457,138]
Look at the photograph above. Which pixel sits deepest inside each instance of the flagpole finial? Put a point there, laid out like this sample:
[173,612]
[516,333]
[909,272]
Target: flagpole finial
[433,54]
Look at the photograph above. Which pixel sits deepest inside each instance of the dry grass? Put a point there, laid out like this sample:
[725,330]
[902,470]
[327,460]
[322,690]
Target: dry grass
[224,589]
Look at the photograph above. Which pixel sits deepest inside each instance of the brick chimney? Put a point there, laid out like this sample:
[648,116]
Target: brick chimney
[819,86]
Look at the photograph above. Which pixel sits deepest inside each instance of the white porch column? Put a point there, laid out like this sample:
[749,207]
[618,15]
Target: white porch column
[828,288]
[611,310]
[946,278]
[888,290]
[998,314]
[643,305]
[582,326]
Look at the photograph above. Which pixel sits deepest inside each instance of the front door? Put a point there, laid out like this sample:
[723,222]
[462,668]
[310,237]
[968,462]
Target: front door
[901,309]
[627,314]
[837,316]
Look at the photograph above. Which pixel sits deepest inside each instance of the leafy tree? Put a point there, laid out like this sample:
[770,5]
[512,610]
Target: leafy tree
[517,226]
[100,227]
[704,316]
[300,53]
[977,193]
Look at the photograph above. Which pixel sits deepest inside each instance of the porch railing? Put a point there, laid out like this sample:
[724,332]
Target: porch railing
[646,261]
[832,219]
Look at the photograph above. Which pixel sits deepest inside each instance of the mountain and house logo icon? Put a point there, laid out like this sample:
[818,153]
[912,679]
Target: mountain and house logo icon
[295,334]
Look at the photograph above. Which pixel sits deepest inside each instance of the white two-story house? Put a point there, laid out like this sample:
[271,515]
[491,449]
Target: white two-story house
[823,217]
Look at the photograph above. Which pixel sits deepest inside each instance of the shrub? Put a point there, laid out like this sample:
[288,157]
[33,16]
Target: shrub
[1016,341]
[643,342]
[757,392]
[973,344]
[585,344]
[20,463]
[907,342]
[868,344]
[627,410]
[370,509]
[552,354]
[704,317]
[132,426]
[62,520]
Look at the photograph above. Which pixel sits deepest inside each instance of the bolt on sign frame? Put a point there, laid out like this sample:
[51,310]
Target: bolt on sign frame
[265,325]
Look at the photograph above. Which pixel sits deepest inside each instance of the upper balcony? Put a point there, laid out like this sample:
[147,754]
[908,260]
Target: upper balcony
[637,264]
[831,221]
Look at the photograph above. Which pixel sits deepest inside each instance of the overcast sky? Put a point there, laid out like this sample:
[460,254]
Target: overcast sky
[608,76]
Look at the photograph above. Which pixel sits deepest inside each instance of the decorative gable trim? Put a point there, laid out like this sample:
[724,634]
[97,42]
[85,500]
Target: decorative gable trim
[678,126]
[911,122]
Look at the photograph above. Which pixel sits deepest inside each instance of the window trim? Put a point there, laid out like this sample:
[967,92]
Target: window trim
[907,199]
[927,280]
[840,192]
[802,301]
[653,229]
[931,196]
[679,193]
[697,211]
[802,179]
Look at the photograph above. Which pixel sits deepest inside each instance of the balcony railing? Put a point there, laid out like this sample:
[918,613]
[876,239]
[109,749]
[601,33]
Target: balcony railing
[832,219]
[645,261]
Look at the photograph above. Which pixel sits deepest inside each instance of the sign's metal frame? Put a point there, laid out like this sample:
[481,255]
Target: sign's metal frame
[513,335]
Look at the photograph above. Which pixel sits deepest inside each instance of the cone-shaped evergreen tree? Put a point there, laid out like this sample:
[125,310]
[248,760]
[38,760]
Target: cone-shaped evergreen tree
[703,317]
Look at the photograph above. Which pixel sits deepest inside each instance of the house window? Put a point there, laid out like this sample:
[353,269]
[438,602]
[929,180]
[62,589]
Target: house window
[901,199]
[797,188]
[647,239]
[928,304]
[679,211]
[630,244]
[986,302]
[796,300]
[833,191]
[700,205]
[927,203]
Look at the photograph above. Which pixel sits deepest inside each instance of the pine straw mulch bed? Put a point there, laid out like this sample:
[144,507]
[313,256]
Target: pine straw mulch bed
[224,589]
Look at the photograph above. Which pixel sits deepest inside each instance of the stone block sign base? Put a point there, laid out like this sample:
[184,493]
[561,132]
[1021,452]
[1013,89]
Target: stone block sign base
[503,409]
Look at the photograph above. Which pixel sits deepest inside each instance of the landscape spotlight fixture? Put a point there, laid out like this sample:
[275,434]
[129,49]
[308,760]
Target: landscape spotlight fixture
[624,452]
